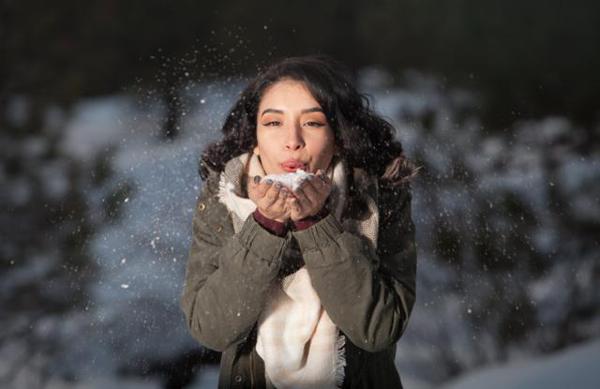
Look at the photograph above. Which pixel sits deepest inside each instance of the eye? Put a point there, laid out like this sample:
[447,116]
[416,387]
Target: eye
[315,124]
[273,123]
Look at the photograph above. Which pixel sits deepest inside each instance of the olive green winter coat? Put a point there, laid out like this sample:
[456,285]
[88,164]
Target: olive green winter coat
[368,293]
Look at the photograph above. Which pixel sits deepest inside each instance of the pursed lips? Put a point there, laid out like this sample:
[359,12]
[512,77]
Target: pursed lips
[293,165]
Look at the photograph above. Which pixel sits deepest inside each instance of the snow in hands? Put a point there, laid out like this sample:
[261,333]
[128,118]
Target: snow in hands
[291,180]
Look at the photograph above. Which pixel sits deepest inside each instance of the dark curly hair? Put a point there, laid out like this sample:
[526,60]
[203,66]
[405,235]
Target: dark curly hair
[363,138]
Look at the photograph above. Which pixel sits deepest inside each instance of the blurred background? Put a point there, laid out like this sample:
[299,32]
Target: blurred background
[106,105]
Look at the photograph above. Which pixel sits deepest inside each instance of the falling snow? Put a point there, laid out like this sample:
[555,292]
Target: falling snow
[460,207]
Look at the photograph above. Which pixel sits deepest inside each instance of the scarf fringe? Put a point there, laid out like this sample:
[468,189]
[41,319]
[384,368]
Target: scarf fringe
[340,361]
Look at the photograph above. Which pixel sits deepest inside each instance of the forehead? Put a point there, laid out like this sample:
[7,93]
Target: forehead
[287,93]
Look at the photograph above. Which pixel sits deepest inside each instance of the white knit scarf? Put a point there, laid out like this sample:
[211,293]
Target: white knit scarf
[300,345]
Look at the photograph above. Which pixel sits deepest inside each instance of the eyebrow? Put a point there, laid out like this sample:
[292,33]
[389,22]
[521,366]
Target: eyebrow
[307,110]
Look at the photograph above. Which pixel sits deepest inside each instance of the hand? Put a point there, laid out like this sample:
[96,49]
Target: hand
[270,198]
[310,197]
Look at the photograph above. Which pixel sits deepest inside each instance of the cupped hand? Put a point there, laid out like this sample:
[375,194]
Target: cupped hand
[310,197]
[270,198]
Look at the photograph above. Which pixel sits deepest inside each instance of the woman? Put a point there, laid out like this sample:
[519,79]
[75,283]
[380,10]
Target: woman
[313,287]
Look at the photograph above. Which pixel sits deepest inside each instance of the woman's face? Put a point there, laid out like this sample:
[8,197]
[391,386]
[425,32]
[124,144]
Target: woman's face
[292,130]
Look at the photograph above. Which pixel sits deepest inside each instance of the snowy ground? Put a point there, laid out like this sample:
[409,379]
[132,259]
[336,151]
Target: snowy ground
[576,367]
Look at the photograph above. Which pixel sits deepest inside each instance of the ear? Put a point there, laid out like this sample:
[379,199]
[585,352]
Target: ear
[255,150]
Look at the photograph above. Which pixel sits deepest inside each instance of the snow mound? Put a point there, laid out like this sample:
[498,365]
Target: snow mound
[575,367]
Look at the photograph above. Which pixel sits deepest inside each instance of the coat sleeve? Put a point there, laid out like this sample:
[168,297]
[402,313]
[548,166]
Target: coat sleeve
[368,294]
[227,275]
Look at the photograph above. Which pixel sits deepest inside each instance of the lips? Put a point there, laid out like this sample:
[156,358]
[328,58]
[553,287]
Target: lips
[293,165]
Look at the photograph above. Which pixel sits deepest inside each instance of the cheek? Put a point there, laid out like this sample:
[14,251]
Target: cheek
[323,148]
[264,141]
[267,146]
[325,143]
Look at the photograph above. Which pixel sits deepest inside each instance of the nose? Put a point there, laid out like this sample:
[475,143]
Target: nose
[294,139]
